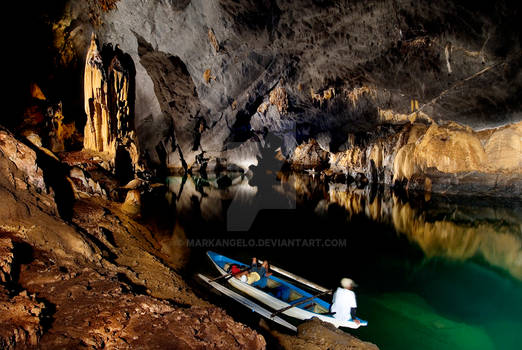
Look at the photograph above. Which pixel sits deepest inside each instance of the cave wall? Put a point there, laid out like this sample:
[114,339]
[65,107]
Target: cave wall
[206,70]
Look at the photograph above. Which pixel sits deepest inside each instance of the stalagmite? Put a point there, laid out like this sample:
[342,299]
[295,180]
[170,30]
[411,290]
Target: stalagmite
[119,88]
[98,133]
[109,128]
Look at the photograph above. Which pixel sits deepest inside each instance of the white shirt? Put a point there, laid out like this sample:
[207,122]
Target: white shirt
[343,301]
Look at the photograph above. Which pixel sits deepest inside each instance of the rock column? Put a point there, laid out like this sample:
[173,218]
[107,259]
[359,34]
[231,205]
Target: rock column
[98,134]
[109,128]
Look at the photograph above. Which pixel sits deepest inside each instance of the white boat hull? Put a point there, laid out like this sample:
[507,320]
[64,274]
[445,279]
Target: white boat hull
[277,304]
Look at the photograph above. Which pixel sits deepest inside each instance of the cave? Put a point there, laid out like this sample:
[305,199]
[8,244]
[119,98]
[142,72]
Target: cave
[367,154]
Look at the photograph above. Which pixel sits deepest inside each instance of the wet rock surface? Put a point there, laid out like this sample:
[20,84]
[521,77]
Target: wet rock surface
[316,334]
[100,280]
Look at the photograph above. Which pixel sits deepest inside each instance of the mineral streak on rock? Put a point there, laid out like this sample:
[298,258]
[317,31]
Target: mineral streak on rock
[213,40]
[119,81]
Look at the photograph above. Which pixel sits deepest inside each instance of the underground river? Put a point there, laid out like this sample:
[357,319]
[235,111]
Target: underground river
[434,272]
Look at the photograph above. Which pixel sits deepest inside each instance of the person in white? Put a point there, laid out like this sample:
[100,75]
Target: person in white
[344,304]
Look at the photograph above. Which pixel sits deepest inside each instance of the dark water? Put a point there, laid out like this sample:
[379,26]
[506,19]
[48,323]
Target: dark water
[433,273]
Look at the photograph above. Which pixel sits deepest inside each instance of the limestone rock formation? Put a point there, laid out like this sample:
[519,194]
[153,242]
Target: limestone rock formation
[84,185]
[6,258]
[132,204]
[432,156]
[109,126]
[24,159]
[19,314]
[19,320]
[309,156]
[341,63]
[102,277]
[44,123]
[99,133]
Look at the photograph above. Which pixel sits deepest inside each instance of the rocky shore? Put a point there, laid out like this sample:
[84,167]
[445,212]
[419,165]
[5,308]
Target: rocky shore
[92,276]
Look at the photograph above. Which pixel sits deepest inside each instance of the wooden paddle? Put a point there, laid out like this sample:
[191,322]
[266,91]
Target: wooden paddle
[230,274]
[296,278]
[301,302]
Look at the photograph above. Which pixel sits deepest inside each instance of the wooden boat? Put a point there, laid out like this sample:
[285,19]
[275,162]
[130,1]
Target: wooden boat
[306,305]
[248,303]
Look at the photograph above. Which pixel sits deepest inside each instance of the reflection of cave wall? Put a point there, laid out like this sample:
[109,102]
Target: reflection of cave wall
[463,229]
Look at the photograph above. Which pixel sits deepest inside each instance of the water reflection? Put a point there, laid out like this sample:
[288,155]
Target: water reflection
[457,228]
[414,257]
[450,227]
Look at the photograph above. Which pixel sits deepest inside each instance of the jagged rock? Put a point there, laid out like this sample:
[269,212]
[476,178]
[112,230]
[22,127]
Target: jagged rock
[372,61]
[309,156]
[98,134]
[132,204]
[19,320]
[24,159]
[19,314]
[279,98]
[6,258]
[96,300]
[439,158]
[84,186]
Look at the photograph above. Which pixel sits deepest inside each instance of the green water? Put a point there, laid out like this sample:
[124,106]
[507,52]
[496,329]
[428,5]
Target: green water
[450,306]
[423,284]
